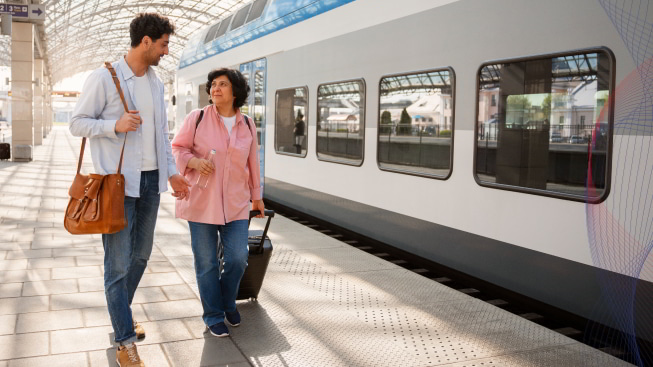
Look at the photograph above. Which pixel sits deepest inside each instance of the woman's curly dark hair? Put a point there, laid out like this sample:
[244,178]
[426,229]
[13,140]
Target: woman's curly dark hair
[239,85]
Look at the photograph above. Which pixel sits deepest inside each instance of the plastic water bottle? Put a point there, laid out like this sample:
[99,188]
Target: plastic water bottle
[203,180]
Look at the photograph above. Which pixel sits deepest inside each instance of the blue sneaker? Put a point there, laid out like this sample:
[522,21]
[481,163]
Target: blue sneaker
[220,330]
[233,318]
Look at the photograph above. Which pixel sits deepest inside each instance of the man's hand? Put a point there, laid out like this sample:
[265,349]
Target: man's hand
[258,205]
[130,121]
[180,186]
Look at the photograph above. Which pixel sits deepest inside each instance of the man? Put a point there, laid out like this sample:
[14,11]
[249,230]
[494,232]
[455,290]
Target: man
[148,164]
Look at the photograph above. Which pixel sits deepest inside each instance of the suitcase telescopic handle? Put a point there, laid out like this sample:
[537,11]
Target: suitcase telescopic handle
[267,213]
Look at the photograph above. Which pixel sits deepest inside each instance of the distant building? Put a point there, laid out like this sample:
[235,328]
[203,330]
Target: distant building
[343,121]
[432,110]
[63,104]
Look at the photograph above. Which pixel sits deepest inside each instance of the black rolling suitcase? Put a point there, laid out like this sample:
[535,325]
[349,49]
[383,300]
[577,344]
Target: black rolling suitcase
[5,151]
[260,250]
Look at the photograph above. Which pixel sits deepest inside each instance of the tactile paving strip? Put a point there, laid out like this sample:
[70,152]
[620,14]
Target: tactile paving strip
[344,307]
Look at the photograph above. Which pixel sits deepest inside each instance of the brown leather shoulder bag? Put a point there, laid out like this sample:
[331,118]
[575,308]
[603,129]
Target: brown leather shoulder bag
[97,202]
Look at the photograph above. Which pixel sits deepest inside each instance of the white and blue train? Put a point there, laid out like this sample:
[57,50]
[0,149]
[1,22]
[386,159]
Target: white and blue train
[509,140]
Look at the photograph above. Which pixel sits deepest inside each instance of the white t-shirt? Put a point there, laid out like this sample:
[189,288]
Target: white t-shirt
[229,122]
[145,105]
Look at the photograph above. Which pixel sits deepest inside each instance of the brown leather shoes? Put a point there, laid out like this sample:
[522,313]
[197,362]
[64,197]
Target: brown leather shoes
[127,356]
[138,329]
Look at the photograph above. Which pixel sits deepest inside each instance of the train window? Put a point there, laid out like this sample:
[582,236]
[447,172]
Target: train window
[257,10]
[416,123]
[224,25]
[290,128]
[210,35]
[341,122]
[240,17]
[536,138]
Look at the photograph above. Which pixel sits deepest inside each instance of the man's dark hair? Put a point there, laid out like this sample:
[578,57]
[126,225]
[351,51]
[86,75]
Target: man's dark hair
[238,85]
[149,24]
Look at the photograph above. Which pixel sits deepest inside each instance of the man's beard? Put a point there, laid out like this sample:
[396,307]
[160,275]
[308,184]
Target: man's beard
[154,60]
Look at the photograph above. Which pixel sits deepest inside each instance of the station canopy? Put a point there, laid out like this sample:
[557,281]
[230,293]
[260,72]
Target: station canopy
[80,35]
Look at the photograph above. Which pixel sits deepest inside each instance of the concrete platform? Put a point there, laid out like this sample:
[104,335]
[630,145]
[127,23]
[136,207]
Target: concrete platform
[323,303]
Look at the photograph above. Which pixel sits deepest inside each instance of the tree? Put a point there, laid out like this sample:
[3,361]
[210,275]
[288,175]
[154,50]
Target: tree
[518,110]
[405,123]
[518,102]
[386,119]
[546,107]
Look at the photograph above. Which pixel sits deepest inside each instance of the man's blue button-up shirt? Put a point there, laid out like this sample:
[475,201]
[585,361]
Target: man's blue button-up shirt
[95,116]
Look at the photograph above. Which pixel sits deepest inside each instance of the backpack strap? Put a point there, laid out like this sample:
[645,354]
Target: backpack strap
[197,123]
[199,119]
[247,123]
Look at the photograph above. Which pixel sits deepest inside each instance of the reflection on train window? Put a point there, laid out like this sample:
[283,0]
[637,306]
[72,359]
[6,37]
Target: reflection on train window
[416,123]
[341,122]
[549,130]
[290,126]
[259,102]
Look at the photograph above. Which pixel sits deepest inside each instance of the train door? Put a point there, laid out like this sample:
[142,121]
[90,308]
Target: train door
[255,73]
[202,97]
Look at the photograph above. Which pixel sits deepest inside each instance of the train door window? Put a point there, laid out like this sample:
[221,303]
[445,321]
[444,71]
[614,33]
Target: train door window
[255,74]
[290,128]
[531,140]
[341,122]
[416,123]
[259,102]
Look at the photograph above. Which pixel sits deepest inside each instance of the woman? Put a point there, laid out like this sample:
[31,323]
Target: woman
[223,205]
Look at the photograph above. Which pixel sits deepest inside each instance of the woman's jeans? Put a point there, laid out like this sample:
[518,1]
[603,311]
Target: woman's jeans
[218,291]
[126,254]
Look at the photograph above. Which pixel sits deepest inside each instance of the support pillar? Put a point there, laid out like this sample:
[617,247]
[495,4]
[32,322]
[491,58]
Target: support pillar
[22,91]
[38,101]
[48,108]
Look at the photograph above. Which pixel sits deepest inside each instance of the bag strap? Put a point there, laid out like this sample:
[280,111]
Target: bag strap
[124,104]
[122,97]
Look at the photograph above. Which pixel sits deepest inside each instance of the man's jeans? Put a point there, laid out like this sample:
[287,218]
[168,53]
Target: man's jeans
[126,254]
[218,291]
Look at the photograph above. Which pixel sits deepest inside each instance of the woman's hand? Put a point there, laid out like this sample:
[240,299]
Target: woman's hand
[204,166]
[180,186]
[258,205]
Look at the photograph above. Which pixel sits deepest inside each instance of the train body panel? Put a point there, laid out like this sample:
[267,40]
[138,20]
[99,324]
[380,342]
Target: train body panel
[549,248]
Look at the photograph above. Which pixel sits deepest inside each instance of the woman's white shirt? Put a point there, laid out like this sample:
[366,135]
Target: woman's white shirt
[229,122]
